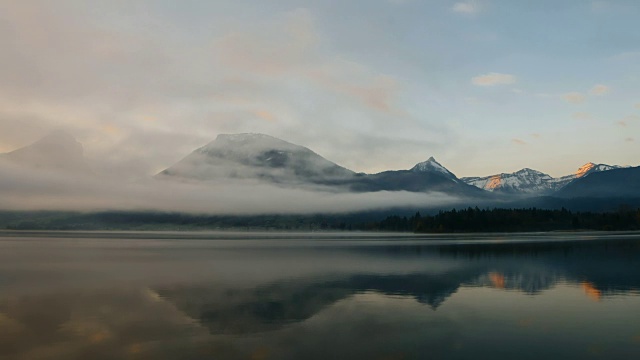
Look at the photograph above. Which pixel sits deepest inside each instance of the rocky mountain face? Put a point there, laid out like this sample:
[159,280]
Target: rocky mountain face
[528,181]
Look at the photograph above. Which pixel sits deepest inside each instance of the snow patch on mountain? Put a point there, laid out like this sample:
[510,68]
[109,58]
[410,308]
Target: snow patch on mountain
[431,165]
[529,181]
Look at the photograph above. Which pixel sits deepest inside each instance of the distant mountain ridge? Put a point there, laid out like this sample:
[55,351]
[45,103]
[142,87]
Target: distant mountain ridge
[529,181]
[263,157]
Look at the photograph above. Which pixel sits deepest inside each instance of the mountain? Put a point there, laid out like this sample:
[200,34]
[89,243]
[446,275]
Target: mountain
[57,151]
[423,177]
[528,181]
[584,170]
[520,182]
[615,183]
[432,166]
[257,156]
[266,158]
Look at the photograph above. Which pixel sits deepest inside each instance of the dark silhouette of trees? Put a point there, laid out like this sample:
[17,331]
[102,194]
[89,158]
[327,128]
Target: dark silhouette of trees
[510,220]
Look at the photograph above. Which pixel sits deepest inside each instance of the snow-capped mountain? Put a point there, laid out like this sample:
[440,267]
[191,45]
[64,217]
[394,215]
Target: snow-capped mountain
[429,175]
[57,151]
[523,181]
[431,165]
[528,181]
[266,158]
[256,156]
[582,171]
[614,183]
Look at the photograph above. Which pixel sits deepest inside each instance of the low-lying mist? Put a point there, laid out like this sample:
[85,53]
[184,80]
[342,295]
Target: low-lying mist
[26,188]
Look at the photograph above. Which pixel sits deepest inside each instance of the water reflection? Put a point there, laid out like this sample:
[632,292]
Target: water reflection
[144,298]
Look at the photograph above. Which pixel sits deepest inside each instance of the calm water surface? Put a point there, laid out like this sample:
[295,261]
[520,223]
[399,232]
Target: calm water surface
[318,296]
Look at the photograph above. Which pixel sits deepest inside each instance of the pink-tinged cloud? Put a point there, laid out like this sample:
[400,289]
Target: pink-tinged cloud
[265,115]
[492,79]
[518,141]
[574,97]
[600,89]
[621,123]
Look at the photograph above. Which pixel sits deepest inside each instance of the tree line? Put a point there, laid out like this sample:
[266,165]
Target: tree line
[452,221]
[510,220]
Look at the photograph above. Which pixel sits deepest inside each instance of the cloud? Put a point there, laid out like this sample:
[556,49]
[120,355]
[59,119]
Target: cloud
[631,118]
[25,188]
[467,7]
[518,141]
[621,123]
[122,90]
[574,97]
[266,115]
[600,90]
[536,135]
[629,139]
[637,106]
[581,115]
[492,79]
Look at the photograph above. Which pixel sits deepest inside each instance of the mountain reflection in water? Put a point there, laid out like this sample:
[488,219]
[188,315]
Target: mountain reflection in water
[119,295]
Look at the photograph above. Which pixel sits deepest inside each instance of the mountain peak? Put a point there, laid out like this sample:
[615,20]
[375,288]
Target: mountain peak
[431,165]
[530,171]
[58,150]
[242,137]
[257,156]
[57,141]
[249,143]
[585,169]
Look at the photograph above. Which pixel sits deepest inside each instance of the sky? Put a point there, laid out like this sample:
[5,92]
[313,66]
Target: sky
[484,86]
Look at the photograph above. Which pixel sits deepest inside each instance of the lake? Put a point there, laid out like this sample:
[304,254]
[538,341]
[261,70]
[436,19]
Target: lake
[119,295]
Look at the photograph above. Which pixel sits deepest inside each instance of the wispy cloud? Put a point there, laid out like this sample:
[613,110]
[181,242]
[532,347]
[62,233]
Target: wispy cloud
[629,139]
[637,106]
[621,123]
[492,79]
[466,7]
[518,141]
[574,97]
[600,89]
